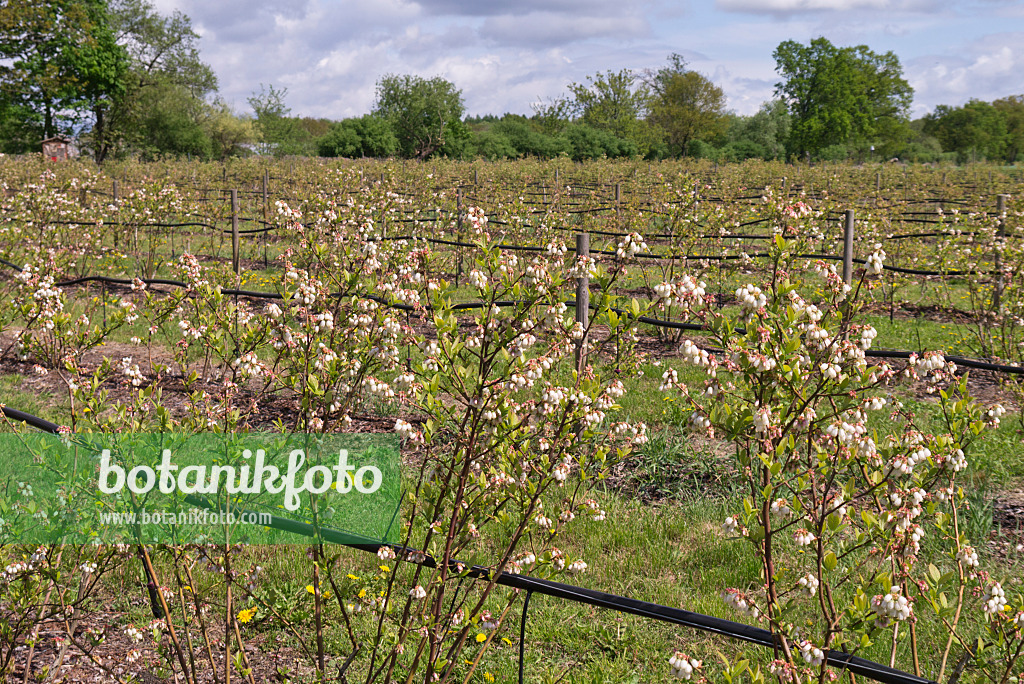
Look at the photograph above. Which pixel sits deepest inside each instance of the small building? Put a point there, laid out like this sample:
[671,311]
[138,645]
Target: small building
[59,148]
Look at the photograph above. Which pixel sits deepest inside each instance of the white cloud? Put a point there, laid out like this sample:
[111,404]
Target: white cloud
[546,28]
[986,69]
[788,7]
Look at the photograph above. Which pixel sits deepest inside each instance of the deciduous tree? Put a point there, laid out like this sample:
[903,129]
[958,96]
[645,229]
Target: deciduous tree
[615,102]
[163,57]
[58,59]
[425,114]
[840,95]
[975,130]
[684,105]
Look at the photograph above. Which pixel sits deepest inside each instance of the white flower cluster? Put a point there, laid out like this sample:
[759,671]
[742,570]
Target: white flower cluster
[968,556]
[811,654]
[132,372]
[995,600]
[684,291]
[631,245]
[596,512]
[555,249]
[406,431]
[477,219]
[781,508]
[751,298]
[740,602]
[683,665]
[809,583]
[525,560]
[577,567]
[417,593]
[803,537]
[867,337]
[695,355]
[248,365]
[762,420]
[892,606]
[478,279]
[192,271]
[994,414]
[875,260]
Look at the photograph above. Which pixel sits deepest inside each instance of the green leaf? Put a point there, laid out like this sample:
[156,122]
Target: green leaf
[830,561]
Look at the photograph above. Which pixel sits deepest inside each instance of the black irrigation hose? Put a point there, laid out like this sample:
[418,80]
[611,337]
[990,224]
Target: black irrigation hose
[467,306]
[567,592]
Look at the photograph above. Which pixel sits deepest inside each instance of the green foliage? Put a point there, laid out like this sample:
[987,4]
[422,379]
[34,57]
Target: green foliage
[769,128]
[977,130]
[58,60]
[227,132]
[21,128]
[1012,109]
[282,134]
[840,96]
[587,142]
[530,142]
[366,136]
[163,58]
[425,114]
[684,105]
[492,145]
[616,103]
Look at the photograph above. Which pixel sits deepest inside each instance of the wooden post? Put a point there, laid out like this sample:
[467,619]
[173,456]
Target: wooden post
[458,220]
[582,300]
[266,183]
[848,248]
[997,291]
[235,261]
[117,231]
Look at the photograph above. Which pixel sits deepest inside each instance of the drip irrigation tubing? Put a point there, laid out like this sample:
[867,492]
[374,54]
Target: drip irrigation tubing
[467,306]
[566,592]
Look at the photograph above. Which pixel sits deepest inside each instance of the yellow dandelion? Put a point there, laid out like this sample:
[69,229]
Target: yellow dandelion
[481,638]
[246,615]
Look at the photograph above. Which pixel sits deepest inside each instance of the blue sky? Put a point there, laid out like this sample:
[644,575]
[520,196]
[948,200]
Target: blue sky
[504,56]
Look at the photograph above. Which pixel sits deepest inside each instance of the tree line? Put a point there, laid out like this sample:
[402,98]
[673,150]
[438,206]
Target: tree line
[129,81]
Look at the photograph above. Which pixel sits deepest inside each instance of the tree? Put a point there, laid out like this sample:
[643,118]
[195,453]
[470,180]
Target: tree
[163,57]
[770,128]
[1012,109]
[366,136]
[424,114]
[840,96]
[684,105]
[226,131]
[978,129]
[616,103]
[58,59]
[283,134]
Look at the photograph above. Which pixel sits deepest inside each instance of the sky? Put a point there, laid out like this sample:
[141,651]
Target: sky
[506,56]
